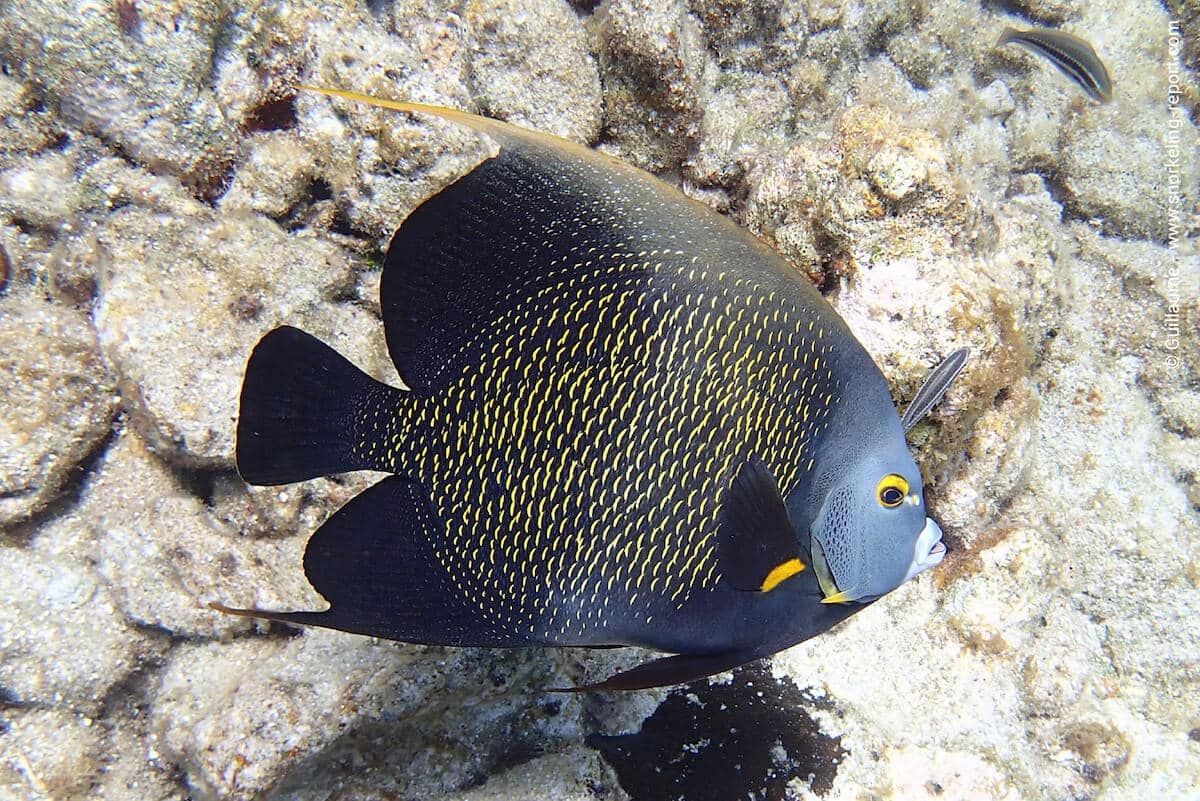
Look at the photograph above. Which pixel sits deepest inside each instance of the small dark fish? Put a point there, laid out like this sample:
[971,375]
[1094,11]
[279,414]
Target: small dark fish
[1072,55]
[935,386]
[629,423]
[5,268]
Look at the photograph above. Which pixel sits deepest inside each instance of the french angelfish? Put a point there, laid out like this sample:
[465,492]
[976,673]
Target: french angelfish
[629,422]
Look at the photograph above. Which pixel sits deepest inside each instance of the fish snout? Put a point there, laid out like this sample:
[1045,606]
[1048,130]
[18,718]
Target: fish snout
[928,551]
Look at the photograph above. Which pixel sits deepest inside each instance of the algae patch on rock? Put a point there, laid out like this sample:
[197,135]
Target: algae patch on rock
[746,738]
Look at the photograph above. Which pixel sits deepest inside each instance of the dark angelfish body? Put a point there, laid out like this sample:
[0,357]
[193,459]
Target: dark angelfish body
[630,423]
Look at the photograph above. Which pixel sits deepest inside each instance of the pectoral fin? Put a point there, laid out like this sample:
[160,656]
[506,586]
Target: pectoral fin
[757,546]
[666,671]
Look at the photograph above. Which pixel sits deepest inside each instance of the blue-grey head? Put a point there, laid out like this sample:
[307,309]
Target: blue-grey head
[871,533]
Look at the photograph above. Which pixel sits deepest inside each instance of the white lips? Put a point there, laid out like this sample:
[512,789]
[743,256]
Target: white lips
[928,551]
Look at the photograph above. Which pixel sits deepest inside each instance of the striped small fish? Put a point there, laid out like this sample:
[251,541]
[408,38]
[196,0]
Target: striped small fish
[1073,56]
[629,423]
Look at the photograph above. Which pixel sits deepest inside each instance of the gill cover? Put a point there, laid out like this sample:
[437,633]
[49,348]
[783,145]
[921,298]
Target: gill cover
[871,533]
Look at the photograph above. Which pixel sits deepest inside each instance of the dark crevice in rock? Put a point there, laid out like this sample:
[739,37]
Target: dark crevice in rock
[342,225]
[60,142]
[1035,13]
[200,482]
[129,19]
[320,190]
[275,114]
[317,211]
[131,696]
[209,180]
[8,701]
[837,262]
[22,533]
[1057,187]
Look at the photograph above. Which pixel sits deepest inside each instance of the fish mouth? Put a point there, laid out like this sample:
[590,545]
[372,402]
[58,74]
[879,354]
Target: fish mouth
[928,551]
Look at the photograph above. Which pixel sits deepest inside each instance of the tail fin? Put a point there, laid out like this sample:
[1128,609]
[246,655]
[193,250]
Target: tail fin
[303,410]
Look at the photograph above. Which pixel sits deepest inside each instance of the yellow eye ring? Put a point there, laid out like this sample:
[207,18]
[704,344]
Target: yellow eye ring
[892,491]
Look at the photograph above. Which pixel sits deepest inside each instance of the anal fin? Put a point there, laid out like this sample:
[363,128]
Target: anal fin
[375,563]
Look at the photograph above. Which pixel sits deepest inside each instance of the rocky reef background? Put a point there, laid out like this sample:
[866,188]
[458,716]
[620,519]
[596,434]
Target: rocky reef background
[166,197]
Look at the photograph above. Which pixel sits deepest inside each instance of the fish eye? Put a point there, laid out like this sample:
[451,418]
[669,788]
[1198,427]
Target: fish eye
[892,490]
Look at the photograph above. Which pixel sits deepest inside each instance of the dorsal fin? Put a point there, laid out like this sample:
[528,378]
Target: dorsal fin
[514,231]
[480,251]
[502,132]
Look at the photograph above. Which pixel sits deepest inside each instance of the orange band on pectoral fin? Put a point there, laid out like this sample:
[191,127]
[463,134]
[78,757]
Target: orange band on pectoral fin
[757,545]
[781,573]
